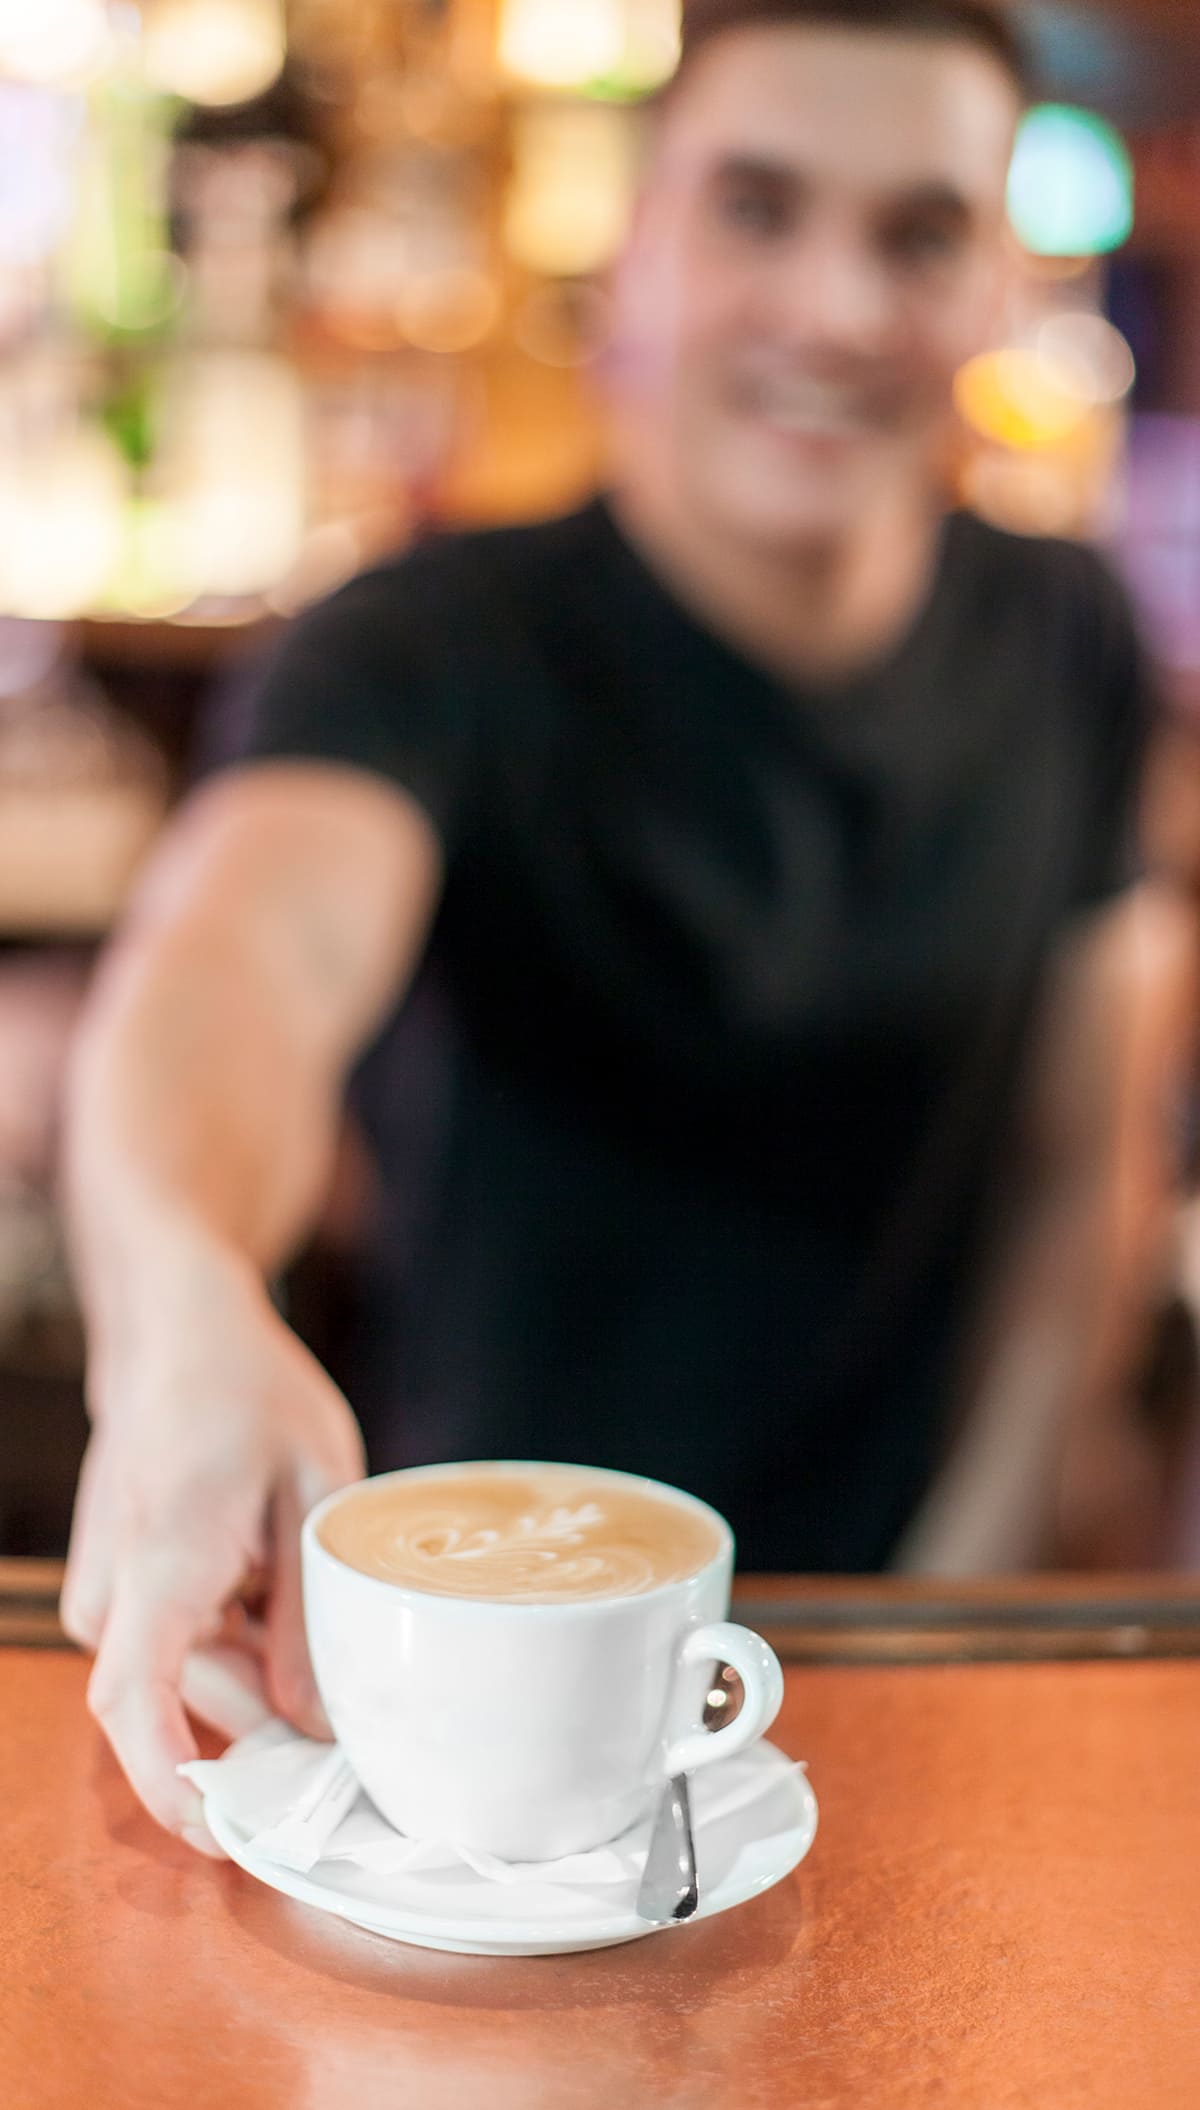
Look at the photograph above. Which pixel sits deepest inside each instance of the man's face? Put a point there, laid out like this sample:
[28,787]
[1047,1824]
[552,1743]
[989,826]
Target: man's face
[821,244]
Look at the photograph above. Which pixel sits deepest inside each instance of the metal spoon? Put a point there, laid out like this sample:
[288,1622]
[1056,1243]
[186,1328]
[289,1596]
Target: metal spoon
[668,1890]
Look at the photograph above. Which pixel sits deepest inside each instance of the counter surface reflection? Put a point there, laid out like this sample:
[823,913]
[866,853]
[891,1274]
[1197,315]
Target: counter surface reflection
[1001,1909]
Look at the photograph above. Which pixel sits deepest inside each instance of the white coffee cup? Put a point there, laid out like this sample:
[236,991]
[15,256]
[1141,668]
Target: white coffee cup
[528,1730]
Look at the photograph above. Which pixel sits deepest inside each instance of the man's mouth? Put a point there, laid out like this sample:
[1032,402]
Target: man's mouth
[801,408]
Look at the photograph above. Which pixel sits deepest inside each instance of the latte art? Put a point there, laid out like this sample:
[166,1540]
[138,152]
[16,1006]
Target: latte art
[550,1535]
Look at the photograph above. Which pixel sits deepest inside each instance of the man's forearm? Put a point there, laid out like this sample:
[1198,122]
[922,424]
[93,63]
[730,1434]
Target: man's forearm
[1057,1337]
[1045,1439]
[194,1130]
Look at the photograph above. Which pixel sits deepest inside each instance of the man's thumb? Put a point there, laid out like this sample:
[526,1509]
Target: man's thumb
[291,1686]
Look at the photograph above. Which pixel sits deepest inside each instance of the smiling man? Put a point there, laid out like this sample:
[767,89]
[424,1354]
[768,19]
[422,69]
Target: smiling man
[768,830]
[822,243]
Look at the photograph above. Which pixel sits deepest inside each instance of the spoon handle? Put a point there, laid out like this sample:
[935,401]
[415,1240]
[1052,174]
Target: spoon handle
[668,1889]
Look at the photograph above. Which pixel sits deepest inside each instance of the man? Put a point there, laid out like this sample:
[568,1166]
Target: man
[758,821]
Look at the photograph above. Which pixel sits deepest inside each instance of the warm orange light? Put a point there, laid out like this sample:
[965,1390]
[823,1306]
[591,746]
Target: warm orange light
[1020,400]
[448,311]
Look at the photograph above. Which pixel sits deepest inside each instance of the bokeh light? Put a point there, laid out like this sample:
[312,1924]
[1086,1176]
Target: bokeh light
[53,40]
[572,188]
[448,311]
[1071,190]
[1019,400]
[62,505]
[214,52]
[233,474]
[616,46]
[121,272]
[553,45]
[39,134]
[1094,360]
[564,324]
[1044,425]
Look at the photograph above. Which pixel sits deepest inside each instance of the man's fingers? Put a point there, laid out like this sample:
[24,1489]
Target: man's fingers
[223,1687]
[201,1841]
[164,1600]
[87,1587]
[290,1682]
[145,1724]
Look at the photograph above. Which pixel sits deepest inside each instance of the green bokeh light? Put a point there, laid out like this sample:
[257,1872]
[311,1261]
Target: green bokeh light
[1070,192]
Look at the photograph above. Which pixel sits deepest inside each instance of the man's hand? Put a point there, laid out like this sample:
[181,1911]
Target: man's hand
[215,1432]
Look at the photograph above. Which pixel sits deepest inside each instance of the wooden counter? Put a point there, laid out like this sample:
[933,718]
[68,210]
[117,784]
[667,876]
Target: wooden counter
[1002,1910]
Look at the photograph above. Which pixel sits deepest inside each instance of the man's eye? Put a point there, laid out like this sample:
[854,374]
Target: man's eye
[924,243]
[756,212]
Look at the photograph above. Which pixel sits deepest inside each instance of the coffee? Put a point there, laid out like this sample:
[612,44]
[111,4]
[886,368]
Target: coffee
[520,1534]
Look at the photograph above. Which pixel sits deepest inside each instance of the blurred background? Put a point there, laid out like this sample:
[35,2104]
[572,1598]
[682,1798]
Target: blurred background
[284,282]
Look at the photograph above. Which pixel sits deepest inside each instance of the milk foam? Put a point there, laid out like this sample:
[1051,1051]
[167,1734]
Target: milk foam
[556,1535]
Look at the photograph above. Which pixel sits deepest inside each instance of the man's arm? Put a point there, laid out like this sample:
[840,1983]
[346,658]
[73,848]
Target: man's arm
[1042,1440]
[279,923]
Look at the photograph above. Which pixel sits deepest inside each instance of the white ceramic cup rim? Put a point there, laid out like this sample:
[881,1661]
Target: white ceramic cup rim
[509,1607]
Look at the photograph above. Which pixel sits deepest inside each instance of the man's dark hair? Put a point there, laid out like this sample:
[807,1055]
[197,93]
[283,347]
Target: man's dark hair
[989,27]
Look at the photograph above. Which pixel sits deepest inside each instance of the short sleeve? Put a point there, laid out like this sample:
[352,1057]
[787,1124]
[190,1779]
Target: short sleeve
[371,679]
[1121,702]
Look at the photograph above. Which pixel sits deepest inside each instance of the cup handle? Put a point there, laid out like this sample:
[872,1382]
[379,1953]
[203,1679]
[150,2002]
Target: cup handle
[758,1668]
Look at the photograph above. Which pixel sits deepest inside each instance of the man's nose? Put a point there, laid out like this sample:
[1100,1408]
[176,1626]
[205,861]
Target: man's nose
[833,297]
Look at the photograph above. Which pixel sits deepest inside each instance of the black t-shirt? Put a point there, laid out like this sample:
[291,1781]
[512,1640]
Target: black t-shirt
[733,991]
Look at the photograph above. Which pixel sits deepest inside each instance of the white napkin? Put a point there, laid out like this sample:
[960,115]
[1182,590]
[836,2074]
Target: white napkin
[300,1803]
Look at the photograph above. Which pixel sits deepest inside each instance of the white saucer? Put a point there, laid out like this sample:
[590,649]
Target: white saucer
[739,1854]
